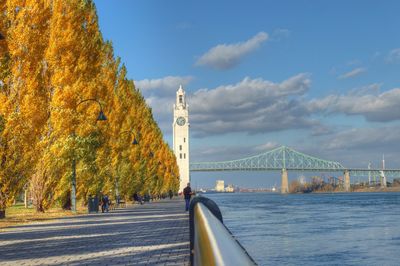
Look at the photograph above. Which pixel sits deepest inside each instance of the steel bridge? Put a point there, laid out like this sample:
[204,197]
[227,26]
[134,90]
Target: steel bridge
[284,159]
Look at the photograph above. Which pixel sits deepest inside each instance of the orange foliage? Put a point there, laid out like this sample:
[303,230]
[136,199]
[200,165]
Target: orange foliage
[53,57]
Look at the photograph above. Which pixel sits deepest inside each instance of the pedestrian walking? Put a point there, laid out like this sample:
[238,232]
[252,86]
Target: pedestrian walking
[104,204]
[187,193]
[137,198]
[171,194]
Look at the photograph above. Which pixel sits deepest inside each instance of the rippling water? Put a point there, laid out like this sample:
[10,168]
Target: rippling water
[315,229]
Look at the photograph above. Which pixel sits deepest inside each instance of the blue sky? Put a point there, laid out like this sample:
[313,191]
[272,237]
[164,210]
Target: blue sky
[319,76]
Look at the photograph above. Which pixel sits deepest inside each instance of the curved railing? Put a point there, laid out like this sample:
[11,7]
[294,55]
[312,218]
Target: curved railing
[211,243]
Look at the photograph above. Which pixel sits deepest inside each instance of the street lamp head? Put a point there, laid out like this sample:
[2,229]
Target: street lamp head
[135,142]
[102,116]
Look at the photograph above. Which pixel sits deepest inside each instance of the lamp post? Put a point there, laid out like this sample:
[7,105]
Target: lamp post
[134,142]
[100,117]
[132,132]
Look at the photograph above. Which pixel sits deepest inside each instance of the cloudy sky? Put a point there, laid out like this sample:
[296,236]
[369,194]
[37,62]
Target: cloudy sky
[321,77]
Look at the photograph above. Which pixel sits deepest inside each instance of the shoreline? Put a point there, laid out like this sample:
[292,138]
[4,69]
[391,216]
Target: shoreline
[358,190]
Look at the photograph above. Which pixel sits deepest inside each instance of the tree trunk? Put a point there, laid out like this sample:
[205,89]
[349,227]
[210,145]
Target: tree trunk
[26,198]
[39,208]
[66,202]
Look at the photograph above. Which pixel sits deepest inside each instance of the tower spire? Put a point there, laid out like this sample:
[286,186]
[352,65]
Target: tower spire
[180,98]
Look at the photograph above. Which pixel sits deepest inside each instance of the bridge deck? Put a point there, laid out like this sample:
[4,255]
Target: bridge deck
[155,233]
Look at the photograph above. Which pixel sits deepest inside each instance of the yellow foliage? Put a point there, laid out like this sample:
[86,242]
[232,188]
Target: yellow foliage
[53,58]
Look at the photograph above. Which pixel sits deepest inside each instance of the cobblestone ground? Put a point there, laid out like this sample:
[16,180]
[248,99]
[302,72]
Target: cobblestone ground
[151,234]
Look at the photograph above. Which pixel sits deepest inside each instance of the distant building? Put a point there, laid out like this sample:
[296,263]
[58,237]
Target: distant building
[302,180]
[230,188]
[220,186]
[316,180]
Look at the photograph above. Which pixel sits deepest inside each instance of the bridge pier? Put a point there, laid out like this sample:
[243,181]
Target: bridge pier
[346,180]
[383,179]
[285,182]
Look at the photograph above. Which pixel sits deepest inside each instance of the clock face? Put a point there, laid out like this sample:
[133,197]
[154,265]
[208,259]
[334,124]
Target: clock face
[181,121]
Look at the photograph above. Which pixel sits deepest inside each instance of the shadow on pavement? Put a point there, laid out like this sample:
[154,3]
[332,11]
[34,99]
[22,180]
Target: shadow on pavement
[157,232]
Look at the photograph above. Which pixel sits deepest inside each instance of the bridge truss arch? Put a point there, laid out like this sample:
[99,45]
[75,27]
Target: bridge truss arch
[276,159]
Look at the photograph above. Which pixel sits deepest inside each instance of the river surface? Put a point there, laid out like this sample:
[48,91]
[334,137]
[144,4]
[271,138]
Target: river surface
[315,229]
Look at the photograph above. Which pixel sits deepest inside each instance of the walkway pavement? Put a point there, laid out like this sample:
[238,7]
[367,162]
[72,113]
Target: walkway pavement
[149,234]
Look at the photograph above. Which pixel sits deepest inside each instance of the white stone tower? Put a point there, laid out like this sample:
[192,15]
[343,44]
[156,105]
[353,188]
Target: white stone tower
[180,128]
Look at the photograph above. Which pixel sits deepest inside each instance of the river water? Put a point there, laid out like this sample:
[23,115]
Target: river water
[315,229]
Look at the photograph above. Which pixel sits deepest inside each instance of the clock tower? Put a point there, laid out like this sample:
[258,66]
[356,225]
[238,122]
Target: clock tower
[180,128]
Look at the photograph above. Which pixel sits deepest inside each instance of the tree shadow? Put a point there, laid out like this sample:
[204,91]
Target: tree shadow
[135,235]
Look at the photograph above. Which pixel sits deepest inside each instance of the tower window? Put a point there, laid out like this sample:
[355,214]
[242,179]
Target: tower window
[184,139]
[180,155]
[180,147]
[184,156]
[180,99]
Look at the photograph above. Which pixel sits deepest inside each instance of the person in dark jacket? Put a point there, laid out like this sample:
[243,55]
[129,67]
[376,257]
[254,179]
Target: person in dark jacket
[137,198]
[171,194]
[187,193]
[104,203]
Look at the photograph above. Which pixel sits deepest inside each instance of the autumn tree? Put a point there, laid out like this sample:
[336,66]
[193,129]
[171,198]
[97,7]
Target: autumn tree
[73,55]
[24,93]
[56,74]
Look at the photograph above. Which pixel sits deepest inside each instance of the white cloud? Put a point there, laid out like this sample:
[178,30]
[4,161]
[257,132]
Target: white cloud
[393,56]
[248,93]
[251,105]
[231,152]
[256,105]
[377,107]
[160,96]
[353,73]
[364,138]
[353,147]
[356,147]
[225,56]
[373,88]
[162,86]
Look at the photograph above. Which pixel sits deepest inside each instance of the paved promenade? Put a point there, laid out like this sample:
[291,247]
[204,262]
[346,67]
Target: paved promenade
[150,234]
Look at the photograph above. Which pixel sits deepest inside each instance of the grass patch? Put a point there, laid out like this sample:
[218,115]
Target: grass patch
[18,214]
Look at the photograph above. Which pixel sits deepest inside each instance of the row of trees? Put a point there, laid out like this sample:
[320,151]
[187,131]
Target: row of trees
[317,184]
[53,57]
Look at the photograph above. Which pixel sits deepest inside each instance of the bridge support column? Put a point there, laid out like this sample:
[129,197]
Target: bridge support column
[383,180]
[346,180]
[285,182]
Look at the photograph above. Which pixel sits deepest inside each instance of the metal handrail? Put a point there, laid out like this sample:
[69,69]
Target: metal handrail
[211,242]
